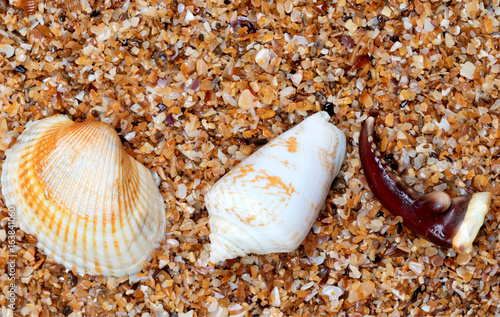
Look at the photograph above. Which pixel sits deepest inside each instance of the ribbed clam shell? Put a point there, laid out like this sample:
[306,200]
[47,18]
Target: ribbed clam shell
[269,202]
[90,205]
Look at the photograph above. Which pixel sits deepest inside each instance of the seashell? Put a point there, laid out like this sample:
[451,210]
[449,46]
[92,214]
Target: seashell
[263,57]
[269,202]
[72,5]
[7,49]
[91,206]
[29,6]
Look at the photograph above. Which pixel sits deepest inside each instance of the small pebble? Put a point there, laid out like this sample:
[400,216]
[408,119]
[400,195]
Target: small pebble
[20,69]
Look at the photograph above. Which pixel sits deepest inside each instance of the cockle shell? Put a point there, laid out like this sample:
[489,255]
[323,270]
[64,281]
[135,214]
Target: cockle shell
[91,206]
[269,202]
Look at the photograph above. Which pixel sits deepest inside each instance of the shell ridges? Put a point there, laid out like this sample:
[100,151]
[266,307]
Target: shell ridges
[88,202]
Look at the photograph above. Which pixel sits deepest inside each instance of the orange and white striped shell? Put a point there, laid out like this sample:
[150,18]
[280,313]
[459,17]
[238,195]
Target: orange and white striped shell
[91,206]
[29,6]
[269,202]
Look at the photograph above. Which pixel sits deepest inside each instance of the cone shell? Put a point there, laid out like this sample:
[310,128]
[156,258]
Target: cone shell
[91,206]
[269,202]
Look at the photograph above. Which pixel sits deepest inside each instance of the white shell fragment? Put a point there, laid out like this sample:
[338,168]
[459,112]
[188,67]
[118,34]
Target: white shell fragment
[7,49]
[263,57]
[91,206]
[269,202]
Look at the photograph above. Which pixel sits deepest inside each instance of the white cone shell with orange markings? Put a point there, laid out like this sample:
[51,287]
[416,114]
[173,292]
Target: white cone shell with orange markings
[269,202]
[91,206]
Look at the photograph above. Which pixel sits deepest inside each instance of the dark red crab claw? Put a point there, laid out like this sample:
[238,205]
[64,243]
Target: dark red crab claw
[445,221]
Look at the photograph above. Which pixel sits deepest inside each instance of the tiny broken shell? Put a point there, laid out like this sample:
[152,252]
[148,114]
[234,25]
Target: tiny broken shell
[7,49]
[263,57]
[90,205]
[269,202]
[72,5]
[29,6]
